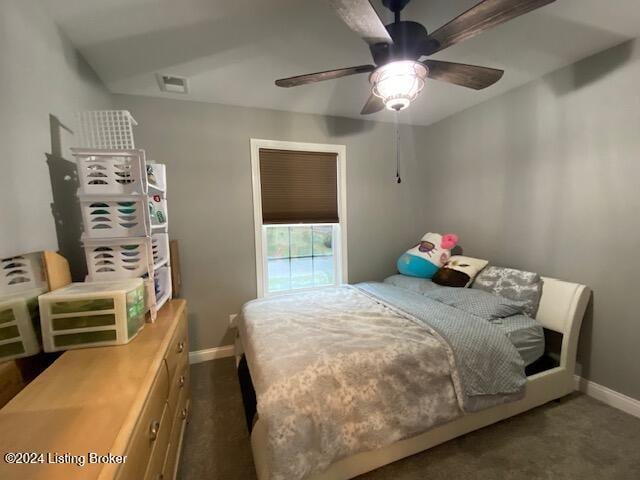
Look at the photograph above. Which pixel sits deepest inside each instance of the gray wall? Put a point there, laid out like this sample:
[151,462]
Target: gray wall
[206,149]
[547,178]
[43,82]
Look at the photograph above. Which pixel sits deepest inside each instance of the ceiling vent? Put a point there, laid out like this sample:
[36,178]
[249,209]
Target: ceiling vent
[172,83]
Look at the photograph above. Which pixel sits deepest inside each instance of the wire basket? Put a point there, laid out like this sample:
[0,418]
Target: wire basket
[110,129]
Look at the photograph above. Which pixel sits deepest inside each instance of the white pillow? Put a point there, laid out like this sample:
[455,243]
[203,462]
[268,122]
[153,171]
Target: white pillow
[459,271]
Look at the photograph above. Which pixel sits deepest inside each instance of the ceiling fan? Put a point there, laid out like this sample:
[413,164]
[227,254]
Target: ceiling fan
[399,71]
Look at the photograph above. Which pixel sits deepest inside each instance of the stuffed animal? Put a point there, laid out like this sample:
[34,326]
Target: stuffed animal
[428,256]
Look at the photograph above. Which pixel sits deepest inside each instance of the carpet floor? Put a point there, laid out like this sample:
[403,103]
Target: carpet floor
[574,438]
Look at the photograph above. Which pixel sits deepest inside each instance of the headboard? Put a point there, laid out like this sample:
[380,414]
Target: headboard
[562,308]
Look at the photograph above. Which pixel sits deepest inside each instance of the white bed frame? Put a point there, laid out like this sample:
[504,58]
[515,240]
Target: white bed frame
[562,308]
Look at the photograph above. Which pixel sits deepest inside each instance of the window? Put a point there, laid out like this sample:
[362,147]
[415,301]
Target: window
[300,256]
[299,214]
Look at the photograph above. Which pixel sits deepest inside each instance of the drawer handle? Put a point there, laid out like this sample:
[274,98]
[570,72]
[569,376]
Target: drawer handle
[180,348]
[181,381]
[153,430]
[184,413]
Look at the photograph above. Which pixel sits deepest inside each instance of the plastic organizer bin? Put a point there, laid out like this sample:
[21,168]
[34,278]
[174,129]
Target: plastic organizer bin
[118,258]
[160,249]
[158,213]
[21,273]
[157,177]
[162,285]
[110,129]
[115,216]
[111,172]
[92,314]
[19,325]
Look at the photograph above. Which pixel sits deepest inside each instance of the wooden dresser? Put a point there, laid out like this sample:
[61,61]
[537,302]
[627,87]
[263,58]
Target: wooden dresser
[128,400]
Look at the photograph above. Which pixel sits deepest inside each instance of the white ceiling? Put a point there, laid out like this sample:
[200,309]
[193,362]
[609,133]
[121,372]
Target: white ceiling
[233,50]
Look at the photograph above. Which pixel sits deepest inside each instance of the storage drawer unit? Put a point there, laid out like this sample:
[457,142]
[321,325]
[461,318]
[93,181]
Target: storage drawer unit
[19,325]
[92,314]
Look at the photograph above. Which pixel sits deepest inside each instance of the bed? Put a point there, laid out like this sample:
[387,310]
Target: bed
[442,410]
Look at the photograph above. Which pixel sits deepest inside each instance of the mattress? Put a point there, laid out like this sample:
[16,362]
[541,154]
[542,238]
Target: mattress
[526,334]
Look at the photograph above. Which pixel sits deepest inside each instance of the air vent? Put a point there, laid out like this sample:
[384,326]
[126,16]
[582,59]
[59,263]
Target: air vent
[172,83]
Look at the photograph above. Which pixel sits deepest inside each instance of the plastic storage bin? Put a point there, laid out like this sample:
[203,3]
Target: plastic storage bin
[115,216]
[111,129]
[157,177]
[111,172]
[158,213]
[160,249]
[19,325]
[119,258]
[21,273]
[92,314]
[162,284]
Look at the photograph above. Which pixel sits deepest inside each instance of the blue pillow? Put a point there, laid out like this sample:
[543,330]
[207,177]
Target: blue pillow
[414,266]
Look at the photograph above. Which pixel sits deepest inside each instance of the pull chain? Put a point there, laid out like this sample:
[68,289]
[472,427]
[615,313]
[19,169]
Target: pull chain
[398,179]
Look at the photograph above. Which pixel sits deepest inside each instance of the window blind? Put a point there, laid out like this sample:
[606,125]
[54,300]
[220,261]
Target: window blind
[298,187]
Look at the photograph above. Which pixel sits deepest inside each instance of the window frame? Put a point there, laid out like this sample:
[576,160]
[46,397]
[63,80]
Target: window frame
[340,247]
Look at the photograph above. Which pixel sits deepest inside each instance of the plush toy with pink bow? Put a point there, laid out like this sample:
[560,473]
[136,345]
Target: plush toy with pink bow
[428,256]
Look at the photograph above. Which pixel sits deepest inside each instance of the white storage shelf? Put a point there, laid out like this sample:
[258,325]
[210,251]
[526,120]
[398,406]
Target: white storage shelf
[111,172]
[92,314]
[118,258]
[19,325]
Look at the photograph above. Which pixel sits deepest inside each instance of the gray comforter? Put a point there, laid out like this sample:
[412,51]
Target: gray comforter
[345,370]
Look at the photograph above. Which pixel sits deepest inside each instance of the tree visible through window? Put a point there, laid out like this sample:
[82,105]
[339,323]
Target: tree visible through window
[299,256]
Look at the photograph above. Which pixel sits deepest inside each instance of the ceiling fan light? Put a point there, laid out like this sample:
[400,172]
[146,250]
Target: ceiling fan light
[398,83]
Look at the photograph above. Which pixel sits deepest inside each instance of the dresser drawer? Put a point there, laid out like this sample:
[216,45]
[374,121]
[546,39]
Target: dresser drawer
[179,383]
[147,429]
[159,453]
[178,350]
[177,432]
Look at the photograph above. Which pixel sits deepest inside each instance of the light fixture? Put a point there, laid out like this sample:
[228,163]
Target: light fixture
[398,83]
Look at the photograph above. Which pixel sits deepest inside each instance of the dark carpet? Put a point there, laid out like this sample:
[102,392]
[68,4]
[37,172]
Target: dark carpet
[575,438]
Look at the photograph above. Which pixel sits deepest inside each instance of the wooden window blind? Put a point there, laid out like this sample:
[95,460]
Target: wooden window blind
[298,187]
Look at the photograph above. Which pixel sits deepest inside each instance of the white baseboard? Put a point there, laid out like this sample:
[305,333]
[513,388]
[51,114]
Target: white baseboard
[610,397]
[200,356]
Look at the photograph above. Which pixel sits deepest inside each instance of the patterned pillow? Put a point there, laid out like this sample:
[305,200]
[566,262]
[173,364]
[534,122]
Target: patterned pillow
[514,284]
[477,302]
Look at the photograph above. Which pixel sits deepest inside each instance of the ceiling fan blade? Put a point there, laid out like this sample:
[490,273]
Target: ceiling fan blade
[362,18]
[483,16]
[374,104]
[470,76]
[321,76]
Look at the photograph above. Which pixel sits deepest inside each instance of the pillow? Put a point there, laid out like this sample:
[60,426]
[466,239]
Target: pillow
[514,284]
[425,258]
[476,302]
[459,271]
